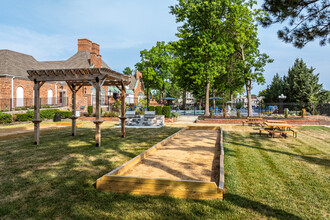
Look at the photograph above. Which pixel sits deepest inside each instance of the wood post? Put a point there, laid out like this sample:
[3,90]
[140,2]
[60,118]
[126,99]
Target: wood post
[98,120]
[37,119]
[74,118]
[123,118]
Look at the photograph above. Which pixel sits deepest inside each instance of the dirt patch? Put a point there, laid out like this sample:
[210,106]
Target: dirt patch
[187,157]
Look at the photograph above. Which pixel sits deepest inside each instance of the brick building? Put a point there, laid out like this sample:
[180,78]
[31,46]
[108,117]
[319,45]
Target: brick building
[16,90]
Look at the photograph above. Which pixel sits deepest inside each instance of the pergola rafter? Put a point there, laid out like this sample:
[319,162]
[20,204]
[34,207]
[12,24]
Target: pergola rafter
[76,78]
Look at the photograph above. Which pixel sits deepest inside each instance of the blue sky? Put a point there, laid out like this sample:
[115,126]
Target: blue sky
[48,30]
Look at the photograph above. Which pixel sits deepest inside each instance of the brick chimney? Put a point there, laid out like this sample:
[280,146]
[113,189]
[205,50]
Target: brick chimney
[93,49]
[96,58]
[84,45]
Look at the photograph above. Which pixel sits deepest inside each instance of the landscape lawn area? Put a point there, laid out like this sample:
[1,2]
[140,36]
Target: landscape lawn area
[264,177]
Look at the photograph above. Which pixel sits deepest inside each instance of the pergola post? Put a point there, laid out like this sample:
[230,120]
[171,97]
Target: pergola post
[98,120]
[37,119]
[123,108]
[74,108]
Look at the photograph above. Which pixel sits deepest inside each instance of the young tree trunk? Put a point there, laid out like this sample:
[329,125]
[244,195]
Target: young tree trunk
[200,103]
[213,93]
[207,99]
[163,93]
[248,86]
[184,98]
[248,93]
[231,98]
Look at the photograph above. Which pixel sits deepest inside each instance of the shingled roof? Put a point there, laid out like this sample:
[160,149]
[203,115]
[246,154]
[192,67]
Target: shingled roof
[17,64]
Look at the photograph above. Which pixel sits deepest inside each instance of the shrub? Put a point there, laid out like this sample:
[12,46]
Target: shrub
[45,106]
[48,113]
[167,111]
[159,110]
[151,108]
[90,110]
[111,114]
[22,117]
[211,113]
[286,113]
[239,105]
[5,118]
[238,113]
[64,114]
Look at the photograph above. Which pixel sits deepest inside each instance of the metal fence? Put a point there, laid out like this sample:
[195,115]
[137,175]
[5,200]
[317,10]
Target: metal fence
[259,108]
[25,103]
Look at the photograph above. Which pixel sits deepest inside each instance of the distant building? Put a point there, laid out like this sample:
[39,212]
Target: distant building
[243,99]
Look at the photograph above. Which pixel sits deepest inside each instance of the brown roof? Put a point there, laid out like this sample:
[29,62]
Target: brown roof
[17,64]
[133,82]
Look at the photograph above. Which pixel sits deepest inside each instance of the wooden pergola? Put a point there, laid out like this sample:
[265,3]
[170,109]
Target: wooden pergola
[76,78]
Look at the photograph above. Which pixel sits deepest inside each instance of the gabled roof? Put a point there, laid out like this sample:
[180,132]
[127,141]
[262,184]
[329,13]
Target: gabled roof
[133,83]
[17,64]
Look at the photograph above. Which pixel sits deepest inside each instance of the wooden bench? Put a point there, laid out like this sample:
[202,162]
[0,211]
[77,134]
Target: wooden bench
[262,130]
[294,132]
[272,132]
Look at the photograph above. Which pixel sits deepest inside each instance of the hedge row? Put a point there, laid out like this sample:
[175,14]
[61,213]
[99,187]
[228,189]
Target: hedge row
[5,118]
[44,114]
[166,110]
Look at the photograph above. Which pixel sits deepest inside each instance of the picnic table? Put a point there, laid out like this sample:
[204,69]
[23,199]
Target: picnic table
[281,128]
[251,121]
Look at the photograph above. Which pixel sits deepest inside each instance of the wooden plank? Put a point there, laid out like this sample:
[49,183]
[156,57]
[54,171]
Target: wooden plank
[137,180]
[208,128]
[151,187]
[222,166]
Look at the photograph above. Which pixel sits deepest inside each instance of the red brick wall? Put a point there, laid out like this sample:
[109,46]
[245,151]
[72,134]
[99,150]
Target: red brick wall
[5,88]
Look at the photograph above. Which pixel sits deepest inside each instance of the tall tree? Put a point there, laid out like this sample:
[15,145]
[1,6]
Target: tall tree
[301,85]
[274,90]
[157,63]
[201,40]
[308,20]
[242,25]
[128,71]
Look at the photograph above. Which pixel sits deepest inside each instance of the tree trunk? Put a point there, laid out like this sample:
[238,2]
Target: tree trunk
[184,98]
[200,103]
[213,93]
[163,93]
[207,99]
[231,98]
[248,93]
[248,86]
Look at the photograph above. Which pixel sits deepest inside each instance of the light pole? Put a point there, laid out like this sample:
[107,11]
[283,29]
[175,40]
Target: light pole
[147,61]
[281,98]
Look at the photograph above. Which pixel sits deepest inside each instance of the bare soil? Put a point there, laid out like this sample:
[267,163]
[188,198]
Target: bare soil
[189,156]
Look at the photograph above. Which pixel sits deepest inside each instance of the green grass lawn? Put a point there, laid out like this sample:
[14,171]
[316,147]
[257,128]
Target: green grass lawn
[265,177]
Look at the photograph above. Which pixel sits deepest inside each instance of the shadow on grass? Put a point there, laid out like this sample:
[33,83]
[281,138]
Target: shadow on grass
[259,207]
[314,160]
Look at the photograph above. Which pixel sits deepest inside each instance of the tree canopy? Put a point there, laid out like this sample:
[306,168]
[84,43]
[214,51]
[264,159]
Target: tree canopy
[307,20]
[128,71]
[300,85]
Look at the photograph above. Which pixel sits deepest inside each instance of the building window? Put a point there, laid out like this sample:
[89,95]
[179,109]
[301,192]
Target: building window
[50,97]
[85,90]
[19,97]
